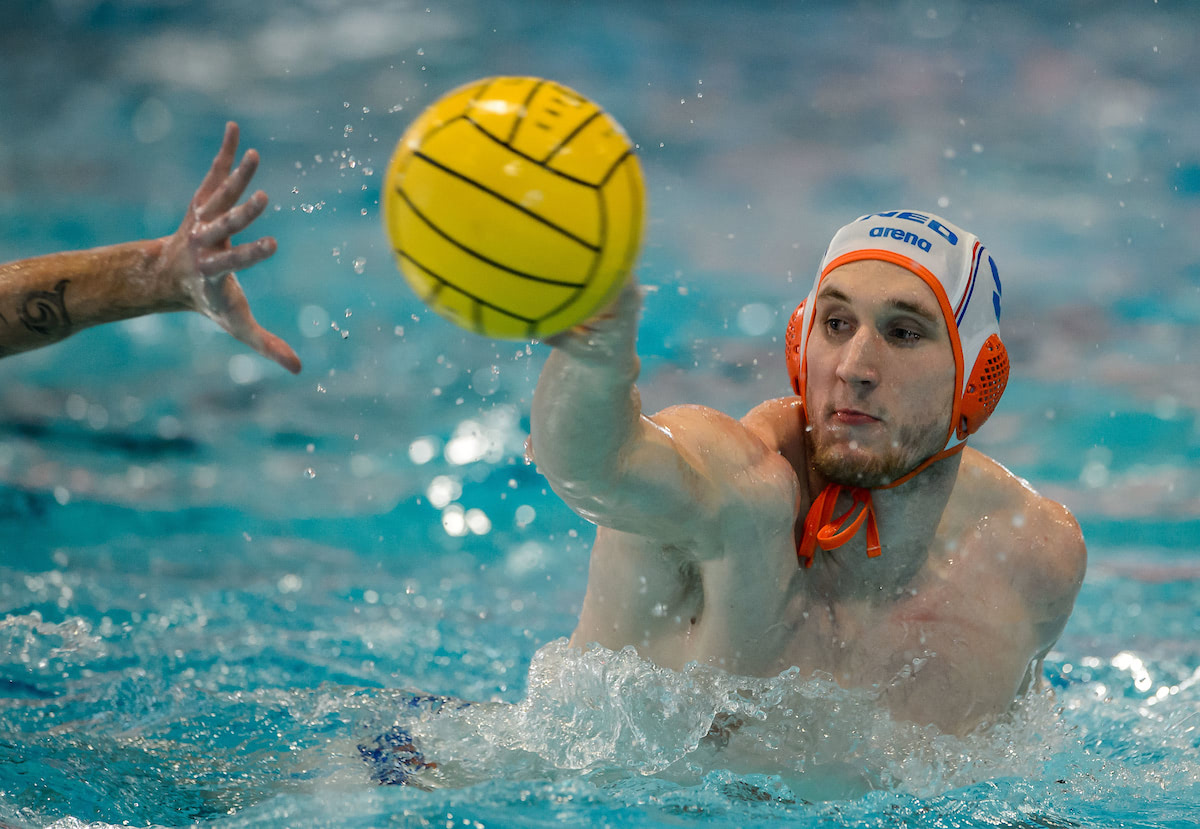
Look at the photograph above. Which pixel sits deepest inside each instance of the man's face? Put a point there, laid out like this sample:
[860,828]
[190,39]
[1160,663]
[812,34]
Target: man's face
[880,384]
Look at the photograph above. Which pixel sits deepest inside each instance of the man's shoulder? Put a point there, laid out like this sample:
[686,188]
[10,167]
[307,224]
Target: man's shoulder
[695,419]
[762,423]
[713,433]
[741,453]
[778,422]
[1038,536]
[994,488]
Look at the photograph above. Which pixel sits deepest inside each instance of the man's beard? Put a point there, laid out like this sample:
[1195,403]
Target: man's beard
[838,464]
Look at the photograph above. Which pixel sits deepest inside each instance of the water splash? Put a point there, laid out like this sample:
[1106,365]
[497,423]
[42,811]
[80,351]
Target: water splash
[612,711]
[26,640]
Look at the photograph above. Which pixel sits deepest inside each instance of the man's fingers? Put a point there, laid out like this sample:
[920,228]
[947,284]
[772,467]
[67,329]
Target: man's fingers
[230,308]
[265,343]
[276,349]
[228,191]
[623,307]
[238,258]
[220,165]
[213,233]
[214,217]
[628,301]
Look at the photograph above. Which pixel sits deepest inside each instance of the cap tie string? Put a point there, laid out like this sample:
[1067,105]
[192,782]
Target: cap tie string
[821,528]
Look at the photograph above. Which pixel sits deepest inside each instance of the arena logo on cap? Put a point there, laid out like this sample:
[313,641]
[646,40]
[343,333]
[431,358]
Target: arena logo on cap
[901,236]
[933,224]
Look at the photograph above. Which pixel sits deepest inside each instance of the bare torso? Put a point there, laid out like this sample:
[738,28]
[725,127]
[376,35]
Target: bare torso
[948,636]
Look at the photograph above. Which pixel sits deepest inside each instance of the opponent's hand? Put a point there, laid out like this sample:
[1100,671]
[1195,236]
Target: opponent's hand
[610,334]
[200,257]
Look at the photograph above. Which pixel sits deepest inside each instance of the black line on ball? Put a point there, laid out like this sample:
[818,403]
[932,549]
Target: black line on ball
[592,268]
[525,156]
[631,249]
[476,254]
[521,115]
[602,208]
[568,97]
[514,205]
[582,125]
[470,103]
[616,166]
[442,282]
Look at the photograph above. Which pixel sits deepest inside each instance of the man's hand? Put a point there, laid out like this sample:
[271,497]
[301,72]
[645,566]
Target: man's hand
[610,334]
[201,258]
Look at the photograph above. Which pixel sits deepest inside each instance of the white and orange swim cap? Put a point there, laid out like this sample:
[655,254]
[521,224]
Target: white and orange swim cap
[965,281]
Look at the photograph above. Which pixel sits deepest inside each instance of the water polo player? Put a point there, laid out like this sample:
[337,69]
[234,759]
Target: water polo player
[847,529]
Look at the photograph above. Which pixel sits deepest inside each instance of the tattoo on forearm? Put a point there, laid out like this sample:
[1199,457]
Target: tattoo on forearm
[45,312]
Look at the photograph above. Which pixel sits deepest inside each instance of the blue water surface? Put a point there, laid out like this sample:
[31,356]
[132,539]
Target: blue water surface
[218,581]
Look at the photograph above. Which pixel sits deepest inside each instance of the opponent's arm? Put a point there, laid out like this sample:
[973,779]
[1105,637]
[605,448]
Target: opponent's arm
[48,298]
[602,456]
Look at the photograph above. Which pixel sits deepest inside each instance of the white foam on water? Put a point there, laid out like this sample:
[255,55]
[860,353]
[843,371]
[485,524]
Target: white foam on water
[603,709]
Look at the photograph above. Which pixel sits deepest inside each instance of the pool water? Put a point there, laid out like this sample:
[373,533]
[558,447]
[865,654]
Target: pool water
[223,587]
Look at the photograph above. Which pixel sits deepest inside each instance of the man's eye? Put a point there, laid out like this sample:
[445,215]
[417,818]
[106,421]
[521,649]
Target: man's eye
[906,335]
[835,325]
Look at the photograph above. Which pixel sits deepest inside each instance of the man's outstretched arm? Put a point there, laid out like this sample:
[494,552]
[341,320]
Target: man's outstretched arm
[48,298]
[663,476]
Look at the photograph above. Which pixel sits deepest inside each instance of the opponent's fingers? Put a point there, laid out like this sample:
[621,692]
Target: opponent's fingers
[274,348]
[267,344]
[233,221]
[221,164]
[237,258]
[232,312]
[229,190]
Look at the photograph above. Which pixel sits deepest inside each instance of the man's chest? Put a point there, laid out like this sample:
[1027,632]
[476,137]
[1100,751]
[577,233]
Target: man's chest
[939,656]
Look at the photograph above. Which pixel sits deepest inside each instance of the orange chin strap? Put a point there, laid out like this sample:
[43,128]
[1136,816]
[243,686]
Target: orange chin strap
[822,528]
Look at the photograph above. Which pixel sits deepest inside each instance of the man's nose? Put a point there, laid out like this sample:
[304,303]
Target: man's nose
[858,364]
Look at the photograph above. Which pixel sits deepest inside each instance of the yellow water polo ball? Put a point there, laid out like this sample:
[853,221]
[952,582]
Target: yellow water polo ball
[515,207]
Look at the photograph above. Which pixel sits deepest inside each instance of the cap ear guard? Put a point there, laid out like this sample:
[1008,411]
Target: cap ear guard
[987,382]
[792,344]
